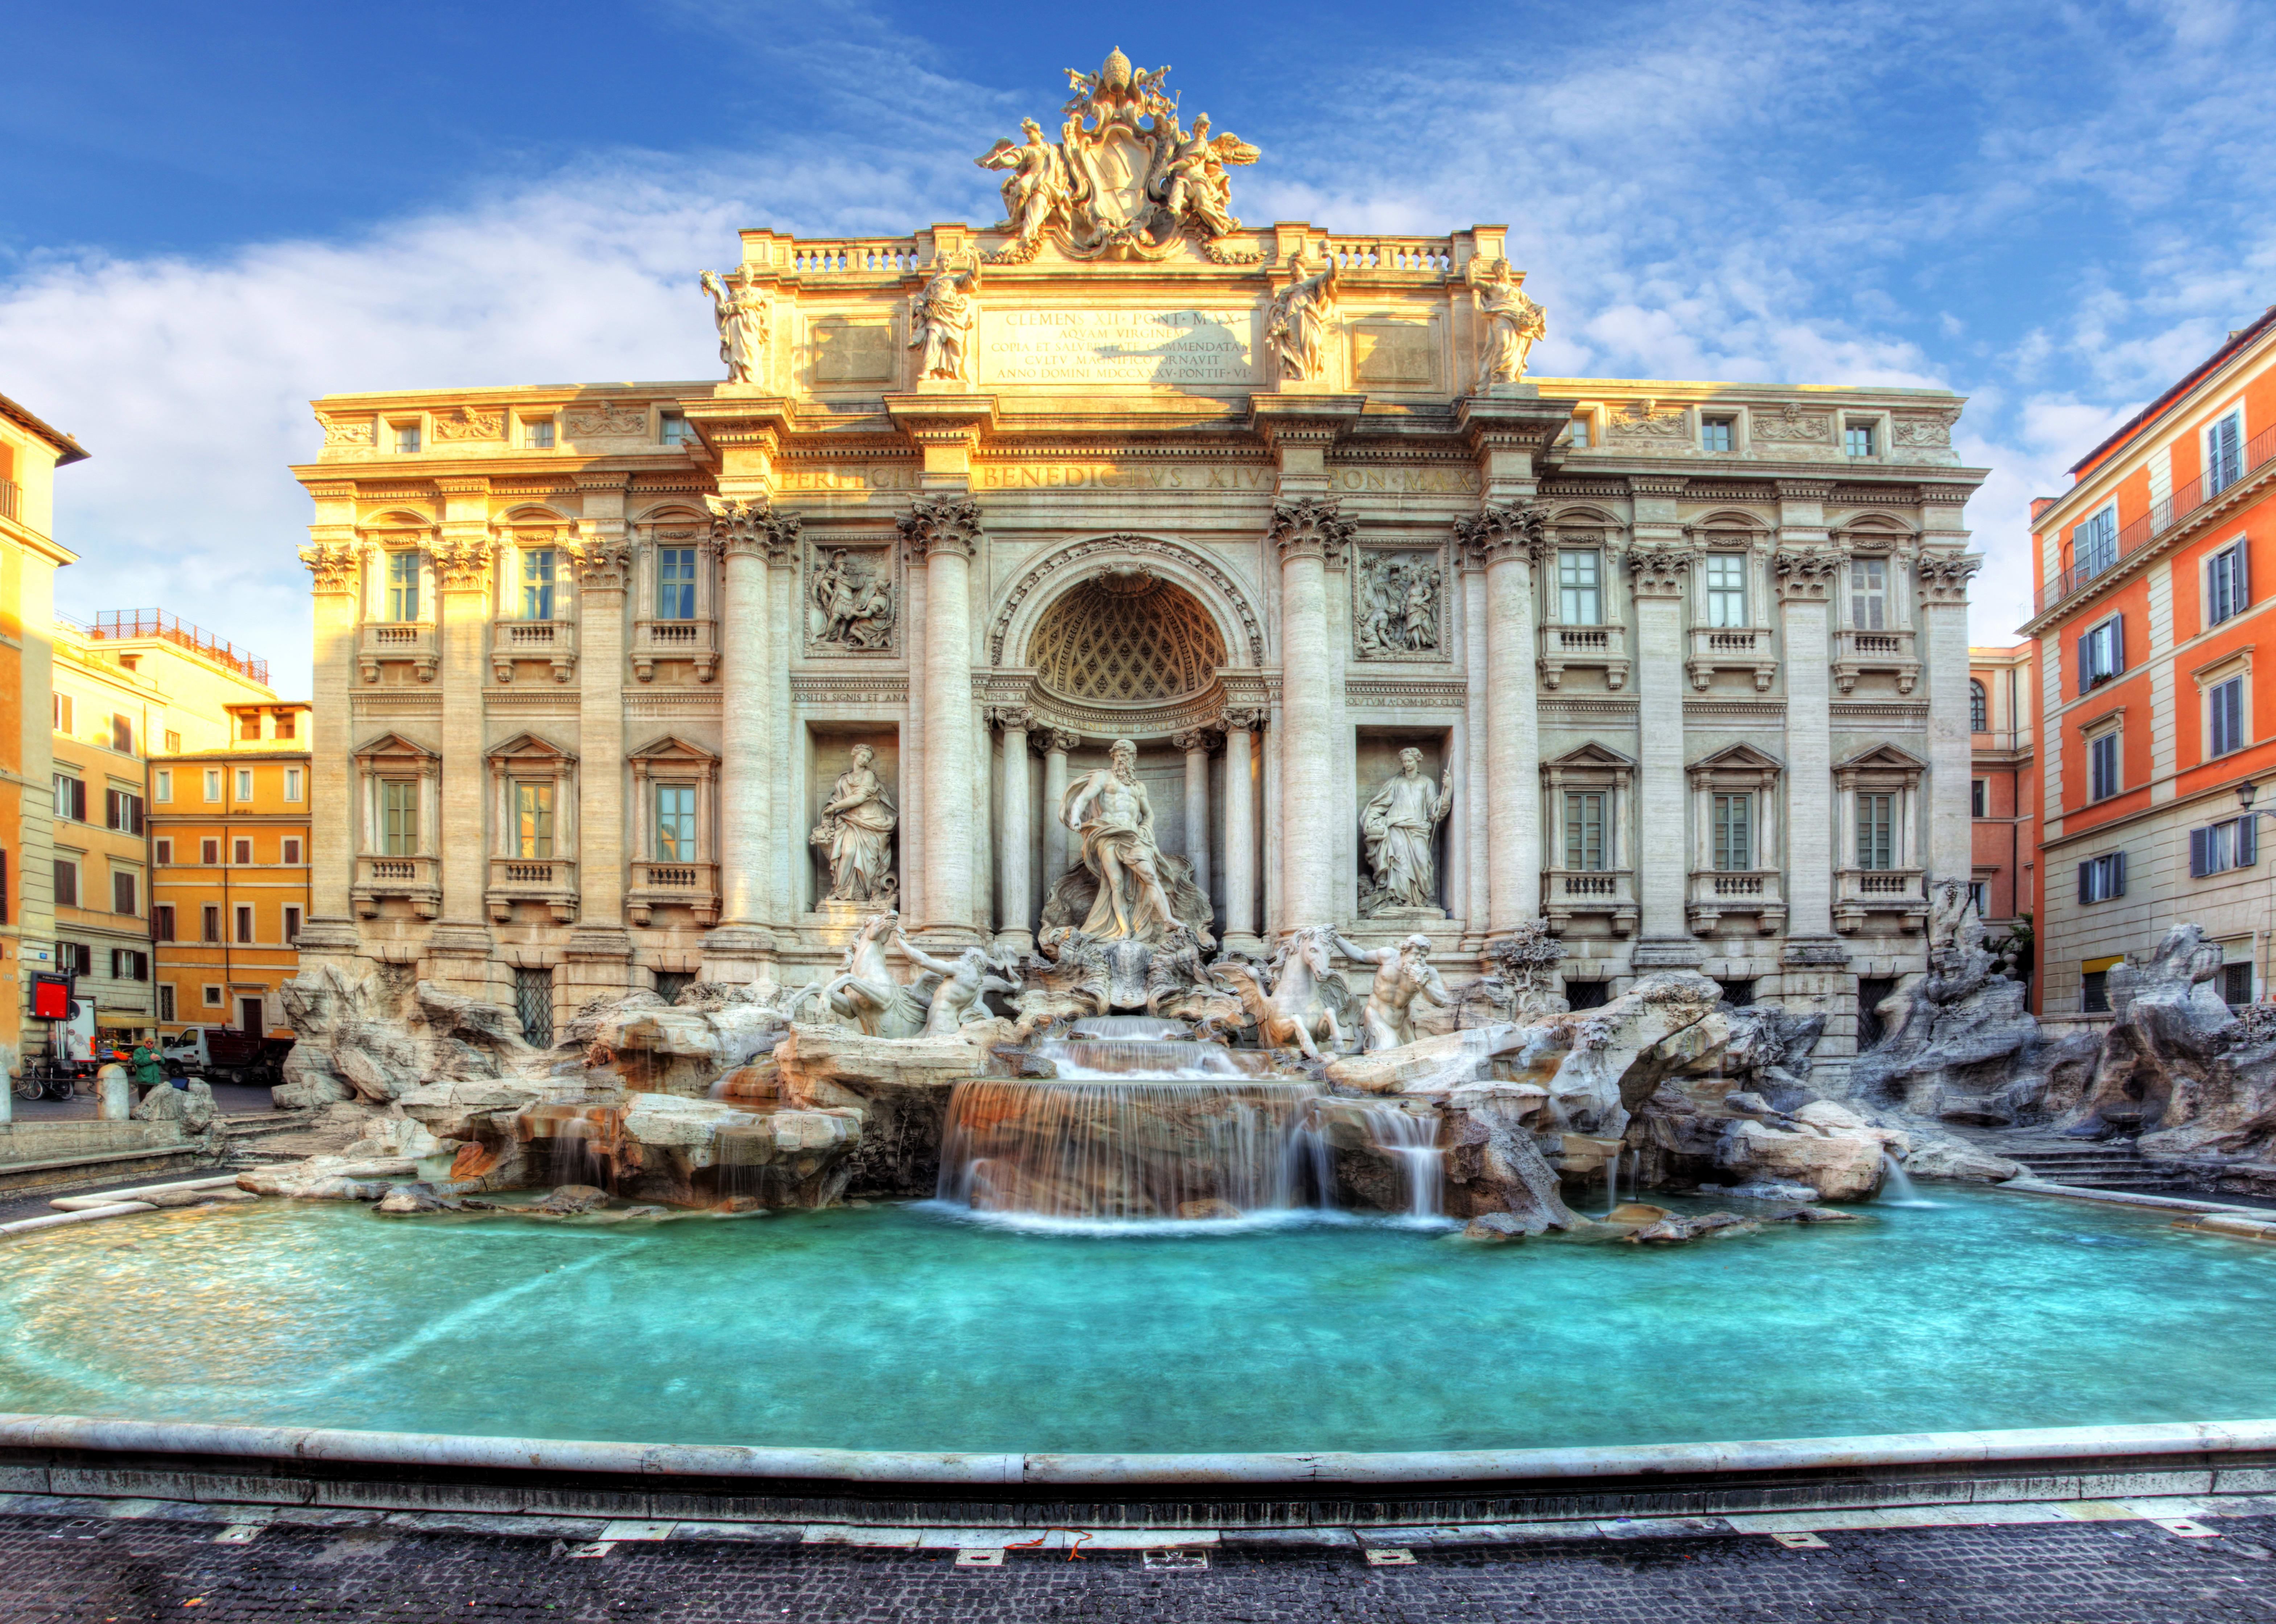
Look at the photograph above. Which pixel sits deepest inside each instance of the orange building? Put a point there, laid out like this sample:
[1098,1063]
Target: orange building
[2155,570]
[229,833]
[2003,792]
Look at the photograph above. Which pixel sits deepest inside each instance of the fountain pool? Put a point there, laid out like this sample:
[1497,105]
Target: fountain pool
[922,1327]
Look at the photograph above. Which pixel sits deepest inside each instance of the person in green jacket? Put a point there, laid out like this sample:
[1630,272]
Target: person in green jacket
[147,1071]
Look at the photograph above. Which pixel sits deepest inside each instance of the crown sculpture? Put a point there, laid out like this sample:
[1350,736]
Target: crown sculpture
[1125,180]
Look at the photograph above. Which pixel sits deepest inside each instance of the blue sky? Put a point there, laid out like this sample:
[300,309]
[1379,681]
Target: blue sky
[213,214]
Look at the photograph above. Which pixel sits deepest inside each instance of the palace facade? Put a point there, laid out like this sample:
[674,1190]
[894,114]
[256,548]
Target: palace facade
[593,662]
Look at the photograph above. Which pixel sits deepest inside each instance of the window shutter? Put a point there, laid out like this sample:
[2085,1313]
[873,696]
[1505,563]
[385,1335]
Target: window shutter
[2085,662]
[5,915]
[2118,874]
[2199,839]
[2248,841]
[2117,646]
[2240,576]
[79,799]
[2085,882]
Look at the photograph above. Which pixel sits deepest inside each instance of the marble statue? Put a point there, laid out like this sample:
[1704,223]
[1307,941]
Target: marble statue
[863,994]
[1195,188]
[852,606]
[965,981]
[1402,974]
[856,831]
[742,317]
[1513,322]
[1110,810]
[1296,327]
[942,318]
[1399,824]
[1036,190]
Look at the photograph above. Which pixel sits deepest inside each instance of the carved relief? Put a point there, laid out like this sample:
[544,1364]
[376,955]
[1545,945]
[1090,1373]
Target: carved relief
[1790,425]
[1296,326]
[1513,321]
[470,424]
[1398,604]
[851,605]
[1124,181]
[1640,421]
[1658,571]
[610,420]
[349,431]
[744,320]
[1932,430]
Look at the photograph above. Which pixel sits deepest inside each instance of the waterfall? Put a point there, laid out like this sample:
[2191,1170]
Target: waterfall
[1897,1186]
[1116,1059]
[1412,1141]
[574,1144]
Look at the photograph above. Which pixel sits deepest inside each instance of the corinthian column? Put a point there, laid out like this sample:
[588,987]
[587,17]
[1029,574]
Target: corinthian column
[1507,538]
[944,532]
[744,532]
[600,951]
[458,948]
[1015,836]
[1657,575]
[1055,746]
[1305,530]
[1240,832]
[1195,744]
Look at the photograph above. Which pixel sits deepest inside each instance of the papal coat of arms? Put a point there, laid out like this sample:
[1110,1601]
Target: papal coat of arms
[1125,180]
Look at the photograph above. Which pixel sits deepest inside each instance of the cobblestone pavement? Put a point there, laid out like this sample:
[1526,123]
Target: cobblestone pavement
[73,1571]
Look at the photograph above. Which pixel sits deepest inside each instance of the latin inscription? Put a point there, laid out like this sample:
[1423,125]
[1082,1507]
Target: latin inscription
[1176,347]
[1430,480]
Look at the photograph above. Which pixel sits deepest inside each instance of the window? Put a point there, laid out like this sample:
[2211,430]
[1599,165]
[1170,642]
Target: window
[2101,652]
[122,735]
[1584,831]
[406,438]
[398,803]
[164,853]
[241,852]
[166,784]
[1715,434]
[2102,766]
[673,429]
[2224,453]
[127,964]
[1979,797]
[2101,878]
[537,584]
[125,892]
[2094,544]
[209,924]
[675,823]
[1734,833]
[1868,595]
[245,783]
[213,783]
[2094,992]
[166,1002]
[291,925]
[123,811]
[1871,991]
[532,820]
[1738,994]
[2225,592]
[213,998]
[244,925]
[1857,439]
[66,882]
[1586,994]
[174,741]
[2235,985]
[1877,830]
[2233,843]
[2225,716]
[64,711]
[533,1002]
[291,784]
[70,798]
[1726,588]
[161,922]
[248,725]
[1979,708]
[292,850]
[75,958]
[675,583]
[209,852]
[1580,588]
[402,586]
[538,436]
[1580,442]
[1979,893]
[285,724]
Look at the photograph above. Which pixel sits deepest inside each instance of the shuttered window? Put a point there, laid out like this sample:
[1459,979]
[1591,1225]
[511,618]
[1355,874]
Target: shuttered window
[2224,453]
[2101,878]
[2228,593]
[1734,831]
[399,817]
[1584,831]
[2102,767]
[2225,716]
[2094,544]
[1877,830]
[2234,843]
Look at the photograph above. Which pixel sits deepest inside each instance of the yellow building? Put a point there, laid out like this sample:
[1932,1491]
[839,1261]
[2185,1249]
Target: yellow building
[134,685]
[30,453]
[229,832]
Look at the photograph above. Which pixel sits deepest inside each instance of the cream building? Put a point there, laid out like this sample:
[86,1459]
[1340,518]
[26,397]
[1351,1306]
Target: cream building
[1274,503]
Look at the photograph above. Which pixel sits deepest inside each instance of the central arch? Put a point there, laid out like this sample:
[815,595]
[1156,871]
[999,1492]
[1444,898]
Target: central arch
[1125,637]
[1064,568]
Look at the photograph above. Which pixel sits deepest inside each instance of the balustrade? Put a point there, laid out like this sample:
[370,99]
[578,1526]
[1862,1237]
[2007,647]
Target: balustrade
[411,641]
[551,881]
[415,880]
[1715,892]
[554,641]
[1861,894]
[694,885]
[1733,648]
[674,640]
[1571,893]
[1597,647]
[1856,652]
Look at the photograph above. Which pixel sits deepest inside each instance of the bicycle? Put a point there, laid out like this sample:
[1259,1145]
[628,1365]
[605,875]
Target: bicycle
[46,1080]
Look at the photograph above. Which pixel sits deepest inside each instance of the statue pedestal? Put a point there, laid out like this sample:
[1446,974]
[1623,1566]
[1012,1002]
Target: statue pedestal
[1403,921]
[739,954]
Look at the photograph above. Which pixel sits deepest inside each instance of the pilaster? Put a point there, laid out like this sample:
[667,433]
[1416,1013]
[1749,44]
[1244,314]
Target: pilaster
[1506,539]
[463,557]
[1304,531]
[599,954]
[1241,727]
[1944,622]
[1660,576]
[746,530]
[943,533]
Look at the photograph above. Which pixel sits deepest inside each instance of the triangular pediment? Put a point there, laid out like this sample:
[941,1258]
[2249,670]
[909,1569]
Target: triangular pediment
[1591,755]
[672,747]
[393,744]
[1883,758]
[529,746]
[1739,758]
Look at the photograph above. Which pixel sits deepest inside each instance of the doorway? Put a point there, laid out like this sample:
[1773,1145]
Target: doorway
[249,1017]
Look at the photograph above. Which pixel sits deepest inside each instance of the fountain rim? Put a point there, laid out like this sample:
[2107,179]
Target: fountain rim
[84,1436]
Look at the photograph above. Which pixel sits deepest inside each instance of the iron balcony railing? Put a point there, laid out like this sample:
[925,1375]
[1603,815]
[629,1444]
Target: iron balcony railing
[2259,452]
[116,624]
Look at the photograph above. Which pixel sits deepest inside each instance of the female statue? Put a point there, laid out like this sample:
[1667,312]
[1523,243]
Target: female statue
[856,832]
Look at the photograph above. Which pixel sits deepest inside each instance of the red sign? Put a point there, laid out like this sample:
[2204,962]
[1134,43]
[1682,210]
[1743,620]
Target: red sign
[50,998]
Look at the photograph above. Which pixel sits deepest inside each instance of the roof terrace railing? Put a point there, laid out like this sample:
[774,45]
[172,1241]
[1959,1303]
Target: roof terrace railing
[2186,499]
[118,624]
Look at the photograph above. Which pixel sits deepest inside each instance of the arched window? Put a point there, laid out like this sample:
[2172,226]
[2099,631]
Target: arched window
[1979,709]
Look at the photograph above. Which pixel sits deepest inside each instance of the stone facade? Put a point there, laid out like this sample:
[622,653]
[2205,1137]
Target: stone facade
[985,500]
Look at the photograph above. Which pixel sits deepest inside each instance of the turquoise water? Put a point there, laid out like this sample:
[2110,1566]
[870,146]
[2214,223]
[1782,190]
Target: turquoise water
[911,1328]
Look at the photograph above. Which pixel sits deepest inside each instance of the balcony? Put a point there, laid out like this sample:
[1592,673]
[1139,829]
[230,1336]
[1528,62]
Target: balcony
[551,641]
[396,640]
[415,880]
[551,881]
[1596,646]
[1861,894]
[1733,648]
[674,640]
[1567,894]
[1855,653]
[1716,891]
[2181,505]
[674,884]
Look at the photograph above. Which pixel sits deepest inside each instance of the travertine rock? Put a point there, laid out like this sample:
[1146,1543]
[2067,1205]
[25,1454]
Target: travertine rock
[193,1107]
[1945,1158]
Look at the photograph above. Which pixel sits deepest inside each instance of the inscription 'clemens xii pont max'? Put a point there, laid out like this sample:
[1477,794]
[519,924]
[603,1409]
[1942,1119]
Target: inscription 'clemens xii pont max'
[1116,347]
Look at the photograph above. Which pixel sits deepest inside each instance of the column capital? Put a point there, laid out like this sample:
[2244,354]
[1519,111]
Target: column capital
[462,563]
[751,528]
[1011,719]
[1944,578]
[947,524]
[1658,571]
[1242,719]
[603,566]
[1307,527]
[1805,574]
[1503,530]
[1194,739]
[336,567]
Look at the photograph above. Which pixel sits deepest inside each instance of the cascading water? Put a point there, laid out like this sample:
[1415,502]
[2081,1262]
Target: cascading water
[1897,1186]
[575,1144]
[1412,1141]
